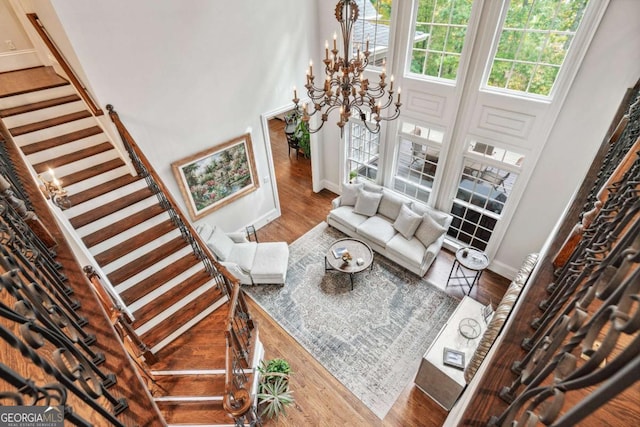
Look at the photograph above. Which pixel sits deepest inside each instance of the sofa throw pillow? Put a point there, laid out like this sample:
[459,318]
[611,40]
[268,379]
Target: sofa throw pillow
[367,203]
[439,217]
[407,222]
[350,194]
[429,230]
[390,204]
[220,244]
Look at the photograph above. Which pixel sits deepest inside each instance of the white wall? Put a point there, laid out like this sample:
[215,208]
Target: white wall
[611,65]
[186,76]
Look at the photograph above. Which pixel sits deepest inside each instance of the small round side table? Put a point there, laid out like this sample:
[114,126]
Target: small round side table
[468,267]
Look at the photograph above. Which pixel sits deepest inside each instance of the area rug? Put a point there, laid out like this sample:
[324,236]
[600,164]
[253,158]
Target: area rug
[372,338]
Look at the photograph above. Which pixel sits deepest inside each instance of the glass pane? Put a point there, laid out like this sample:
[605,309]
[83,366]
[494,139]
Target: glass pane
[536,33]
[373,24]
[417,159]
[363,149]
[442,24]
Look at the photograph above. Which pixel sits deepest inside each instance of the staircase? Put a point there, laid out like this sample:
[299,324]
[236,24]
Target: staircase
[139,248]
[120,220]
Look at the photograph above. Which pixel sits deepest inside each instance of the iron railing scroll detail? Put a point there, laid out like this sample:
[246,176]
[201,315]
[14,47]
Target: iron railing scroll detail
[585,350]
[41,326]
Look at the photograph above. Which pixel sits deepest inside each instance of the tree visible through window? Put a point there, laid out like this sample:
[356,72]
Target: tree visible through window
[444,26]
[533,44]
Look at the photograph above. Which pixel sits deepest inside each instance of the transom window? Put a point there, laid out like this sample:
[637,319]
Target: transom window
[442,27]
[533,44]
[363,151]
[417,156]
[485,183]
[374,25]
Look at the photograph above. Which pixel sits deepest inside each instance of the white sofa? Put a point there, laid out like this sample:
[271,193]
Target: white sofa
[403,230]
[251,262]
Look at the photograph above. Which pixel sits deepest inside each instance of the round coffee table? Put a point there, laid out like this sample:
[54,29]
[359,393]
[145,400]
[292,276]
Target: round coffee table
[361,253]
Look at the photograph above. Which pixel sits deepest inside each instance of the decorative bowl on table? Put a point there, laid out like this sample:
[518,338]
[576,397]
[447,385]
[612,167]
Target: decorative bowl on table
[346,258]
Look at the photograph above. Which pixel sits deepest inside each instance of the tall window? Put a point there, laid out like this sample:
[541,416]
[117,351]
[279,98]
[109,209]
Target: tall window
[363,148]
[485,184]
[533,44]
[442,25]
[417,155]
[374,25]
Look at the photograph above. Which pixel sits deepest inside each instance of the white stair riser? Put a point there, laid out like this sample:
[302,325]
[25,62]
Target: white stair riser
[37,96]
[129,233]
[156,348]
[116,216]
[64,149]
[151,297]
[86,163]
[44,114]
[188,399]
[174,257]
[105,198]
[54,131]
[140,252]
[81,186]
[177,306]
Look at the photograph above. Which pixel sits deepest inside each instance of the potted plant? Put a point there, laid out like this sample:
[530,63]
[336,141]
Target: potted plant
[304,137]
[273,391]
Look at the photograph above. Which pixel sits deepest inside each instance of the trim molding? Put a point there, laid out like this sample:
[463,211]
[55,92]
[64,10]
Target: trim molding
[19,59]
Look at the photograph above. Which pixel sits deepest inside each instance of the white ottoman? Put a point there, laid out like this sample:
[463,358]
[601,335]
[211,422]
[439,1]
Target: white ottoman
[270,263]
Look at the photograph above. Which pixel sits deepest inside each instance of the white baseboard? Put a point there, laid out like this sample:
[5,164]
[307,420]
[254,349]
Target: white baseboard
[331,186]
[503,269]
[18,59]
[264,219]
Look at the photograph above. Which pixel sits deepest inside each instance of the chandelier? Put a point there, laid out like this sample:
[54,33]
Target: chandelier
[344,87]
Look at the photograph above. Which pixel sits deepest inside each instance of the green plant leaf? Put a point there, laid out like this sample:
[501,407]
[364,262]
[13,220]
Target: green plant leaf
[274,396]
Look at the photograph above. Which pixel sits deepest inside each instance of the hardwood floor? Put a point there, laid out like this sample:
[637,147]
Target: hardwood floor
[321,400]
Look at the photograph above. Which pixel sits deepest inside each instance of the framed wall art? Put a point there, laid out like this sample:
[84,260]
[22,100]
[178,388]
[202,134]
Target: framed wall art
[217,176]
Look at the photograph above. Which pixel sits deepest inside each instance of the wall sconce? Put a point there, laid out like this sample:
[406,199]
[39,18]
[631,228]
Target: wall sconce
[52,189]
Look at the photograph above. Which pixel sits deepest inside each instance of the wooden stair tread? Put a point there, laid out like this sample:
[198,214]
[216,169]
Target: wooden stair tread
[27,80]
[135,242]
[181,290]
[176,320]
[114,206]
[208,413]
[95,170]
[114,229]
[101,189]
[73,157]
[190,385]
[134,267]
[21,109]
[60,140]
[159,278]
[44,124]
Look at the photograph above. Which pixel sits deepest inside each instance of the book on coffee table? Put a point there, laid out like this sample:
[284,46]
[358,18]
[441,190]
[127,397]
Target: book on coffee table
[338,252]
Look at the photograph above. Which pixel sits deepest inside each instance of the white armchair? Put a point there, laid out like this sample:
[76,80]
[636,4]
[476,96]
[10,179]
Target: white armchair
[251,262]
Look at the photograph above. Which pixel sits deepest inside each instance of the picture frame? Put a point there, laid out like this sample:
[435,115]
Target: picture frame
[487,312]
[453,358]
[215,177]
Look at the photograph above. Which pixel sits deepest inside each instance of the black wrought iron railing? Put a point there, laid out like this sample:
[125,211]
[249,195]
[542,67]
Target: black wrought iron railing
[42,324]
[585,348]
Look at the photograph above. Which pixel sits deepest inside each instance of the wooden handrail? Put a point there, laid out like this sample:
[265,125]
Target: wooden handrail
[132,145]
[82,90]
[240,395]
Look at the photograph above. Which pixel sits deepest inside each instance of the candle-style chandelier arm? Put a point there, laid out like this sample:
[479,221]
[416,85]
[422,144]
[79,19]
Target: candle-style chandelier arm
[344,86]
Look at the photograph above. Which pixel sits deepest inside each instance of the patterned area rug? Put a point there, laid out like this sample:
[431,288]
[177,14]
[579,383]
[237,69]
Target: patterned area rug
[372,338]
